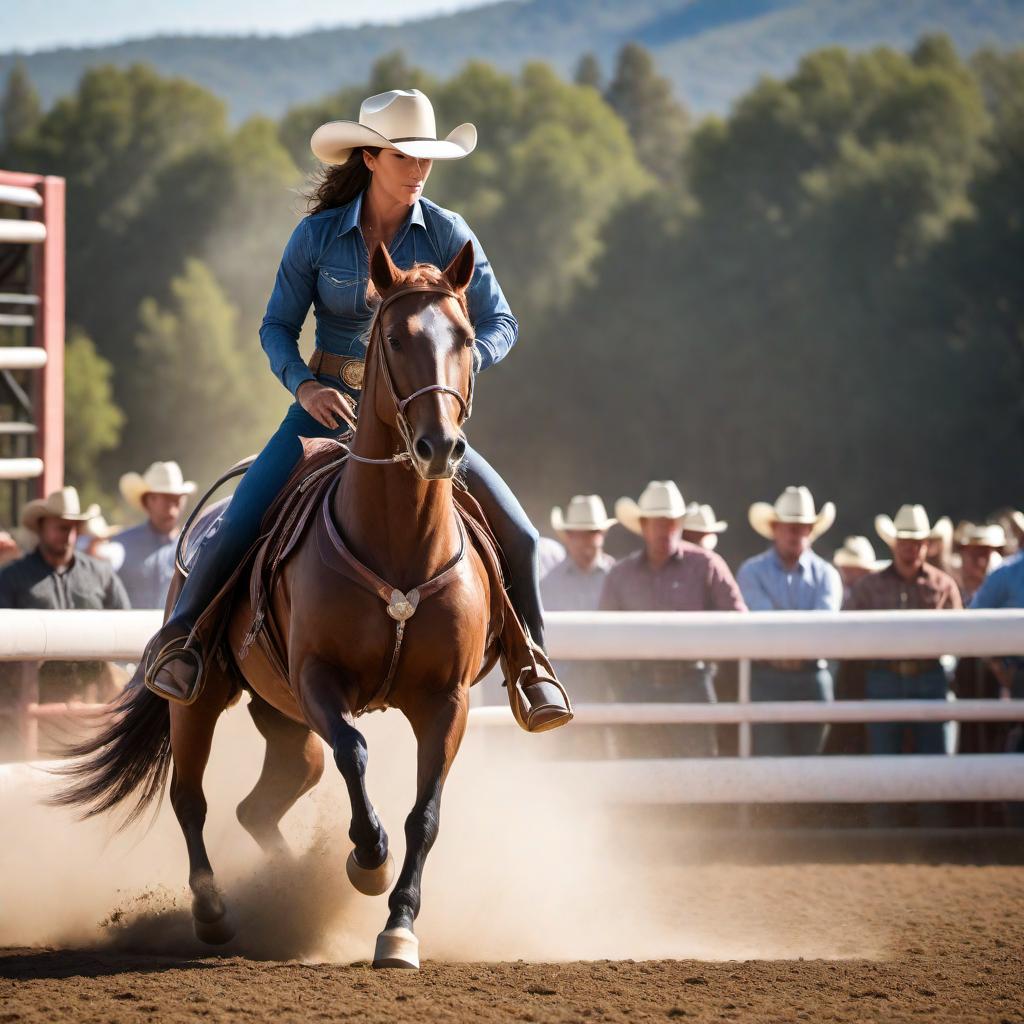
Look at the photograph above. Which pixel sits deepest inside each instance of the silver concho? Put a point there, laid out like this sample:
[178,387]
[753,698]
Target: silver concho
[352,373]
[402,605]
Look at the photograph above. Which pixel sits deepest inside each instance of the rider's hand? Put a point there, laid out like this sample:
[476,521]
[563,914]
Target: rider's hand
[328,407]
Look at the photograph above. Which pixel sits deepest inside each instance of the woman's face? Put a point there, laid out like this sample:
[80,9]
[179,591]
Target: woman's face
[400,177]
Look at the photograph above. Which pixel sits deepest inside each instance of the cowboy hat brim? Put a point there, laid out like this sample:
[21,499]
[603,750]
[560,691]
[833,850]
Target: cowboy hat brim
[559,524]
[843,559]
[886,529]
[762,518]
[629,513]
[720,527]
[333,142]
[38,509]
[133,486]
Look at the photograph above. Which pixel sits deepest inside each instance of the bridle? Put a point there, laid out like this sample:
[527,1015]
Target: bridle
[401,404]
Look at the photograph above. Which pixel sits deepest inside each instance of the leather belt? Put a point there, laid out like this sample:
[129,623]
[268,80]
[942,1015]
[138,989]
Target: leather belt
[348,369]
[908,666]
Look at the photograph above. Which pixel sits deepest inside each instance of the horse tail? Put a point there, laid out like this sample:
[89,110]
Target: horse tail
[130,757]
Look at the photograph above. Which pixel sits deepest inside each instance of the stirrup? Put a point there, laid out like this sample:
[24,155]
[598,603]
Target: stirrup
[540,702]
[178,647]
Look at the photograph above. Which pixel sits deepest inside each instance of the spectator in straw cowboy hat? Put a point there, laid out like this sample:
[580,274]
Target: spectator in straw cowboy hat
[909,582]
[575,583]
[940,544]
[55,575]
[981,550]
[160,493]
[854,560]
[789,576]
[669,574]
[701,527]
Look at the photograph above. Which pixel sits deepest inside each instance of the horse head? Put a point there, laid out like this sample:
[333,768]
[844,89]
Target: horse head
[419,361]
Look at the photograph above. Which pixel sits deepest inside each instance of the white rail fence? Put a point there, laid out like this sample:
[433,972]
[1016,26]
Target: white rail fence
[33,636]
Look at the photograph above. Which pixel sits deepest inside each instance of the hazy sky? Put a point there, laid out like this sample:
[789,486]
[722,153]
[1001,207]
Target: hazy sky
[30,26]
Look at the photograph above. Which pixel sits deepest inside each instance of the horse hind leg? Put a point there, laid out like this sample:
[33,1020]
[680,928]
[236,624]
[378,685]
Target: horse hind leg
[192,728]
[292,765]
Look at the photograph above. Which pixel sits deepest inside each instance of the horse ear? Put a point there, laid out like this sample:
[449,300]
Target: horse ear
[459,272]
[383,272]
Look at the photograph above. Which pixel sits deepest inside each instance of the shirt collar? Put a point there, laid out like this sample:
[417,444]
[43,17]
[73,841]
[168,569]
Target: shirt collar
[803,562]
[350,218]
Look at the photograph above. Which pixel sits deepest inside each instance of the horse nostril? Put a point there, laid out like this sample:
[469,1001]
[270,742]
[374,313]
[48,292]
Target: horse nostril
[424,449]
[460,449]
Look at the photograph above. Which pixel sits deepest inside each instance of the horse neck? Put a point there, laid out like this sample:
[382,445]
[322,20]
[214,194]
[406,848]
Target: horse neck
[400,525]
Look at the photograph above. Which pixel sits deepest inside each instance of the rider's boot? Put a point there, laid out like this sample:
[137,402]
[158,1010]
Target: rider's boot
[173,659]
[539,700]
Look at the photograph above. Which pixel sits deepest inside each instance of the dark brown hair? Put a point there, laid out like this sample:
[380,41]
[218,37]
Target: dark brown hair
[337,184]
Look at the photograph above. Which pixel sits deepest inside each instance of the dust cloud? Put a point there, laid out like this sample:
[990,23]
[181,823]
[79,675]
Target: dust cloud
[522,869]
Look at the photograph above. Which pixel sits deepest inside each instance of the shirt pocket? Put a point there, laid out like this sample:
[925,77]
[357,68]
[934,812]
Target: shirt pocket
[342,292]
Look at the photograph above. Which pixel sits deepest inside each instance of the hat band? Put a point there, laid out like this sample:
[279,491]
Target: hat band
[414,138]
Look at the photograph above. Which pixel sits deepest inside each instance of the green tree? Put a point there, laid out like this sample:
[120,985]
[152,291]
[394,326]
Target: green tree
[192,397]
[588,72]
[657,121]
[92,420]
[20,109]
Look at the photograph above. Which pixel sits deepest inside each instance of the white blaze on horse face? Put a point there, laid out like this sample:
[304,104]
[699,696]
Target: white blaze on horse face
[435,328]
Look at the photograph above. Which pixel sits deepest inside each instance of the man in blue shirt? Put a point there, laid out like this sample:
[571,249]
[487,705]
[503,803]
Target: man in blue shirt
[147,569]
[1004,588]
[789,576]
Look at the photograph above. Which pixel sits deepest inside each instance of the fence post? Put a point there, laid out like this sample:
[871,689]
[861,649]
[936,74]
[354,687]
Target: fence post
[743,697]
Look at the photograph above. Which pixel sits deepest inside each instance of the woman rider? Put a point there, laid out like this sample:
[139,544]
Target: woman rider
[371,192]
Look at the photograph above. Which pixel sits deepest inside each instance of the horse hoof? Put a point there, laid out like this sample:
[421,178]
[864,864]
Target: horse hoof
[397,947]
[370,881]
[214,933]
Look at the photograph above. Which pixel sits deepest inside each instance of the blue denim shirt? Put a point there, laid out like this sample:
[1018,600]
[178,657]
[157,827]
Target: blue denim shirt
[1003,587]
[814,585]
[326,263]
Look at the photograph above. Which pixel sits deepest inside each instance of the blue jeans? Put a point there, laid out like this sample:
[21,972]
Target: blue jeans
[788,739]
[887,737]
[240,524]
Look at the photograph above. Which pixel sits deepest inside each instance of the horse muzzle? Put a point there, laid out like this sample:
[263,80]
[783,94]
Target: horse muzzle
[437,455]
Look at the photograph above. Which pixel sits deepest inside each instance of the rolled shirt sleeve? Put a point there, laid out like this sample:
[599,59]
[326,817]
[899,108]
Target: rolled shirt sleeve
[286,311]
[496,328]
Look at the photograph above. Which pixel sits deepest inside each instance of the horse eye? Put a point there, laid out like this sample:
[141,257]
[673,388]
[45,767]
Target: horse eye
[394,342]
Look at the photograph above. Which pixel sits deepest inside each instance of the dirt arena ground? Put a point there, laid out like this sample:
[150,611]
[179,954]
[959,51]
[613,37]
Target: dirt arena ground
[948,947]
[535,909]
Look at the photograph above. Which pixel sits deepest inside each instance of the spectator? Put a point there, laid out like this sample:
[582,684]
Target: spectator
[908,583]
[9,549]
[940,544]
[854,560]
[981,551]
[549,554]
[789,576]
[575,583]
[160,492]
[700,526]
[56,576]
[94,539]
[669,574]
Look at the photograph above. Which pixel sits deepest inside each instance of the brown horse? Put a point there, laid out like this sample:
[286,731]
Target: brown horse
[344,634]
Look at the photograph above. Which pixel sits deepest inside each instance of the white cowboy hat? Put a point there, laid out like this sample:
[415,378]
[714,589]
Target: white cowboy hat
[793,505]
[911,523]
[584,512]
[661,500]
[100,529]
[942,529]
[986,535]
[701,519]
[160,478]
[401,119]
[856,553]
[63,504]
[1017,518]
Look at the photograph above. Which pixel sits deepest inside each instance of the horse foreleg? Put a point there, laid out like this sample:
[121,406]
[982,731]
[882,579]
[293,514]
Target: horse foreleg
[192,729]
[439,725]
[327,705]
